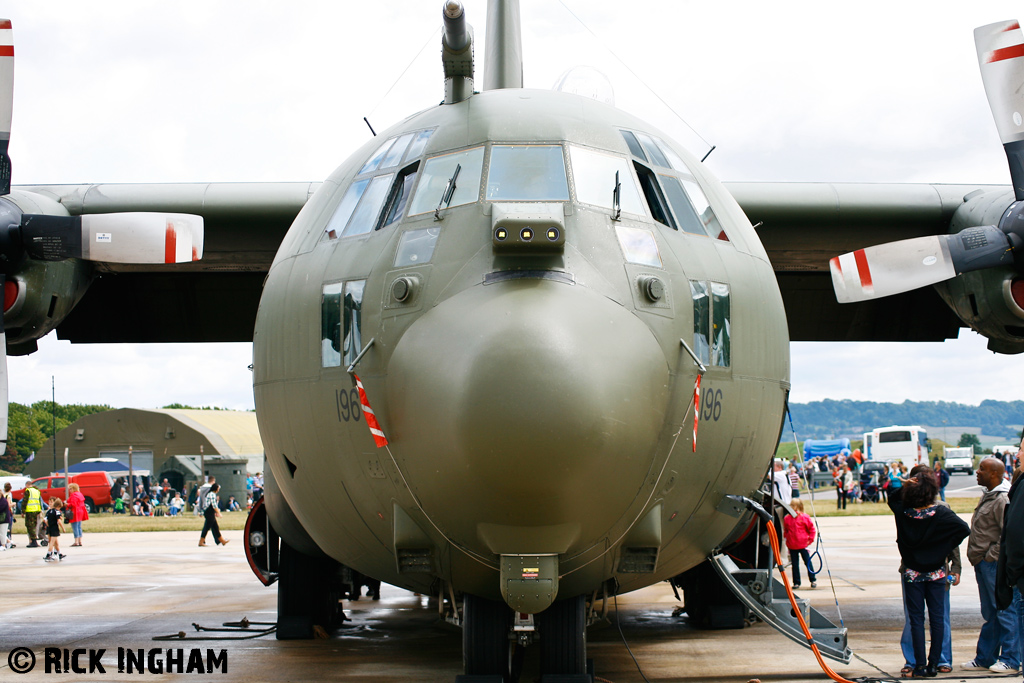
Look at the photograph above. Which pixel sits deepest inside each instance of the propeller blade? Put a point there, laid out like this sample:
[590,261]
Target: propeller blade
[133,237]
[896,267]
[1001,58]
[6,102]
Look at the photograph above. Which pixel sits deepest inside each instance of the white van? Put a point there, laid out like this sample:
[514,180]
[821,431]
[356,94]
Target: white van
[16,481]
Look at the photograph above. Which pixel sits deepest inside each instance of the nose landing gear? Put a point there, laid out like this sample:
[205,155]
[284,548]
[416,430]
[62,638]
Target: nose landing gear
[489,641]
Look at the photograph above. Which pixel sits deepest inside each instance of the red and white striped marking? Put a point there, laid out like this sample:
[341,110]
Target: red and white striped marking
[1000,47]
[6,77]
[696,409]
[371,418]
[851,270]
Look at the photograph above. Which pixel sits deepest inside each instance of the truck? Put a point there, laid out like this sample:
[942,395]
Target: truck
[959,460]
[95,486]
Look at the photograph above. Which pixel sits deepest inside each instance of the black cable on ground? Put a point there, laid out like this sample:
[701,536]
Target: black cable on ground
[618,623]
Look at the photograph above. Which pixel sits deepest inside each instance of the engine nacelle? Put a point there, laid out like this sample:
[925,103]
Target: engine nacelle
[990,301]
[38,295]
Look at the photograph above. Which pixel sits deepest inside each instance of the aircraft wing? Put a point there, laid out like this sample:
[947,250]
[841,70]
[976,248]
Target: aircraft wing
[803,225]
[211,300]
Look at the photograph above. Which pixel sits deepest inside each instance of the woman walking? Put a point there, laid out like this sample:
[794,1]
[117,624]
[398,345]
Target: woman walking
[925,533]
[79,513]
[211,511]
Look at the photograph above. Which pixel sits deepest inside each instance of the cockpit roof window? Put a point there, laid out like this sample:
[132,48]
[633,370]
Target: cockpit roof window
[393,150]
[655,154]
[527,173]
[634,145]
[594,175]
[394,155]
[418,143]
[377,157]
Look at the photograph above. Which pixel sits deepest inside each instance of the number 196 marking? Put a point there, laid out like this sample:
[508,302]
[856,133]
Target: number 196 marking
[347,403]
[711,404]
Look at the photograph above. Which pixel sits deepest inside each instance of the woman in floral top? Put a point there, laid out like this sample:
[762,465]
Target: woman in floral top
[925,534]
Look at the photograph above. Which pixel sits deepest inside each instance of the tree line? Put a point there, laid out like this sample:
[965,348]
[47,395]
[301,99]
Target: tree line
[821,419]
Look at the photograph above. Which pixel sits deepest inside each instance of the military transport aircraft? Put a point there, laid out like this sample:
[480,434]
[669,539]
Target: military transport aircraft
[526,286]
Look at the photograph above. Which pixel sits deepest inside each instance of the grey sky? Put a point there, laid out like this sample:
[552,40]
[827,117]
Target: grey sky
[230,91]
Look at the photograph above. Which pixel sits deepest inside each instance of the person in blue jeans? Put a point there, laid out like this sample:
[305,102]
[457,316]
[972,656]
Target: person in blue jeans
[1010,568]
[954,567]
[926,534]
[998,649]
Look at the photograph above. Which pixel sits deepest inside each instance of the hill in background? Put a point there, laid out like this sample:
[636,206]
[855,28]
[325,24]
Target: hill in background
[835,419]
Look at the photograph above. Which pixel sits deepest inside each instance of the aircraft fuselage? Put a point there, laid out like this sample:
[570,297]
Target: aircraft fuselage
[526,364]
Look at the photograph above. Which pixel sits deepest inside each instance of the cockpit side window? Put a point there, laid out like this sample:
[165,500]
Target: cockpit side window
[365,215]
[527,173]
[686,215]
[685,196]
[341,321]
[712,313]
[703,207]
[652,193]
[399,196]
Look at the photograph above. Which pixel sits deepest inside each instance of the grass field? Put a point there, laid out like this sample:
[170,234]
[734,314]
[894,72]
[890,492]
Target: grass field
[100,522]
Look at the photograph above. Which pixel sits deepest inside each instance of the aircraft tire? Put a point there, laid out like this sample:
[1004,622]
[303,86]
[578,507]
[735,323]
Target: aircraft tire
[563,637]
[308,594]
[485,643]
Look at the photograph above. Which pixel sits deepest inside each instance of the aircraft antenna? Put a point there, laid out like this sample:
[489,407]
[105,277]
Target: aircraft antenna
[430,41]
[637,76]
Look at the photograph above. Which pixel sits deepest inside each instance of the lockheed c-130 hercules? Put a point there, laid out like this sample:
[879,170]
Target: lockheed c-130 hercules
[526,286]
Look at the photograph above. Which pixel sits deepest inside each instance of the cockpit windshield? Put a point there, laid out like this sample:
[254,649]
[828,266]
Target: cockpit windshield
[595,177]
[439,170]
[527,173]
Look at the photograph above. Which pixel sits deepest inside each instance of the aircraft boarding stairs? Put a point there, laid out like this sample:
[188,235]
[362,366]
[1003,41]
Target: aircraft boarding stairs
[766,597]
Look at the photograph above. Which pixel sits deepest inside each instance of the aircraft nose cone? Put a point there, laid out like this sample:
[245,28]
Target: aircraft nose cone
[527,402]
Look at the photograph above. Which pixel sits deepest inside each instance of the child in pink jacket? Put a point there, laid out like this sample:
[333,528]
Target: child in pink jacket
[799,533]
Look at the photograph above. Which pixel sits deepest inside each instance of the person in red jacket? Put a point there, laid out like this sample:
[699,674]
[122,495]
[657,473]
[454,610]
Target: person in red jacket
[79,513]
[799,534]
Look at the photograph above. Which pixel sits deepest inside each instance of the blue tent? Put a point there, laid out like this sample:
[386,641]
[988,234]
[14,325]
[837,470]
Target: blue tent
[114,466]
[827,447]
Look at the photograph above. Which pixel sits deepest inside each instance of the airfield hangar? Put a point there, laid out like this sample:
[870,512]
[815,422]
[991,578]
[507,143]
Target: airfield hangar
[168,443]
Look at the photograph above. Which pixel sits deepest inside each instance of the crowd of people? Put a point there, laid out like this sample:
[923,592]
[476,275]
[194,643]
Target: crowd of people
[929,535]
[44,520]
[853,482]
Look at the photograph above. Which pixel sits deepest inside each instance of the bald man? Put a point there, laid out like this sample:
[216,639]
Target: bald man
[997,648]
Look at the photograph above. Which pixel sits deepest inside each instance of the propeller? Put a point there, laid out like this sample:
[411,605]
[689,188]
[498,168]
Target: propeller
[897,267]
[129,237]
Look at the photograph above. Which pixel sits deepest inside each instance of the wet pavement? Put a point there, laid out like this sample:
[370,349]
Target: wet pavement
[122,590]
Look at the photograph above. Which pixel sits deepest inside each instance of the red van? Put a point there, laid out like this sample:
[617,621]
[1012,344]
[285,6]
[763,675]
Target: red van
[95,486]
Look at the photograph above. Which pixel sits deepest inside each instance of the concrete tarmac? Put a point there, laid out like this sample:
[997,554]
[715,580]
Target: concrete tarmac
[122,590]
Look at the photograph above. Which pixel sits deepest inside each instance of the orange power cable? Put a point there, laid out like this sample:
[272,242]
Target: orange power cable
[774,536]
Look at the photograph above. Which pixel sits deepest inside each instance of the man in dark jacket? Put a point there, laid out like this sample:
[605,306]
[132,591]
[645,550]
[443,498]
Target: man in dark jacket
[1010,577]
[943,476]
[997,649]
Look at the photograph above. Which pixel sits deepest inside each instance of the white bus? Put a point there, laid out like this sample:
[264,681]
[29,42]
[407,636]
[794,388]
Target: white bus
[907,444]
